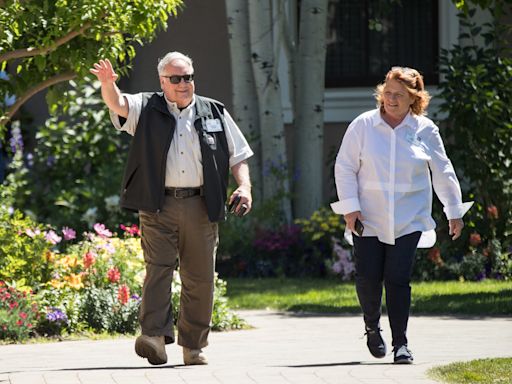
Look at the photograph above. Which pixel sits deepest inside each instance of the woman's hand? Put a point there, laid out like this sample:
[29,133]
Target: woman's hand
[350,219]
[455,226]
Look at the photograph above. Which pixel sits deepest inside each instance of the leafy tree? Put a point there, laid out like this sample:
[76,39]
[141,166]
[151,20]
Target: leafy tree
[44,43]
[478,99]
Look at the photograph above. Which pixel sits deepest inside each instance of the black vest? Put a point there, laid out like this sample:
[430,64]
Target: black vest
[143,185]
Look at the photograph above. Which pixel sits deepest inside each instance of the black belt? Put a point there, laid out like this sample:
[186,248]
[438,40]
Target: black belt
[183,193]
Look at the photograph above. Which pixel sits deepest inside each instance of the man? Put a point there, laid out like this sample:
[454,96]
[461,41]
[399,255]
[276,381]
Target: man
[176,177]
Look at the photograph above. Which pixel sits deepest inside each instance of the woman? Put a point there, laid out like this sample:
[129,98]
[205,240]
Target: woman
[382,174]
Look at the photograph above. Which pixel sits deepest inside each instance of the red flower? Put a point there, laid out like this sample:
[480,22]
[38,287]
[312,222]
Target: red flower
[475,239]
[132,230]
[89,259]
[113,275]
[123,294]
[23,315]
[492,212]
[19,323]
[434,255]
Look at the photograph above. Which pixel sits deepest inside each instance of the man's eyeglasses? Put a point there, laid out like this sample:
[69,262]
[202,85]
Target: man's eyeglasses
[176,79]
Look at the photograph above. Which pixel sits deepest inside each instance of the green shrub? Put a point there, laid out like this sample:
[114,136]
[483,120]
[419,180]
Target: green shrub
[22,249]
[83,155]
[478,133]
[251,248]
[18,313]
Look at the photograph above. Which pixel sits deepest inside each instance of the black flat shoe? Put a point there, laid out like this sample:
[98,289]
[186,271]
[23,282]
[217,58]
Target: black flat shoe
[375,343]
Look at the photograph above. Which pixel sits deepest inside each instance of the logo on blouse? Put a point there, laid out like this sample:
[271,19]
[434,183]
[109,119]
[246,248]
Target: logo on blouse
[413,139]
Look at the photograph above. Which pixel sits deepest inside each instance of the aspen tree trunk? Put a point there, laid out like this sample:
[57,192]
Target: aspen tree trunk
[245,102]
[273,146]
[309,107]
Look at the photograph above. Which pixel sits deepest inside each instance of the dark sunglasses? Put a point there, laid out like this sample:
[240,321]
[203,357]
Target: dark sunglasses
[176,79]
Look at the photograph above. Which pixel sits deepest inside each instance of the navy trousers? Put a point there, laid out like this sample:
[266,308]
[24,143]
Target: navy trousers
[379,264]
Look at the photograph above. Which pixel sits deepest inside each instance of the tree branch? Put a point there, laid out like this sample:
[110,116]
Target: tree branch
[29,52]
[32,91]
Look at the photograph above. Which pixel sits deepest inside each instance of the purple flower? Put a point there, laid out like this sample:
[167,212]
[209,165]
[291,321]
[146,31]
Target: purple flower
[52,237]
[16,140]
[50,161]
[55,315]
[69,233]
[101,230]
[280,240]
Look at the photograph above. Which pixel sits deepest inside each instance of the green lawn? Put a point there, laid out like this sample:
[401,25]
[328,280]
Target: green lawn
[328,295]
[488,371]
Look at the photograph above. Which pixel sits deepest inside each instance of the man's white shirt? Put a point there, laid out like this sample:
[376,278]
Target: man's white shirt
[184,160]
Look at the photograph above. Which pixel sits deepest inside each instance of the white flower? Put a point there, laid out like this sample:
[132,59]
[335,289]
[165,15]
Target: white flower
[90,216]
[112,203]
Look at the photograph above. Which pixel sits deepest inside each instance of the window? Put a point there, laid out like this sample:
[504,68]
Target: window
[367,37]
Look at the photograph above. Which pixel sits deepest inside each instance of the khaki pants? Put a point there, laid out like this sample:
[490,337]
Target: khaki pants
[180,232]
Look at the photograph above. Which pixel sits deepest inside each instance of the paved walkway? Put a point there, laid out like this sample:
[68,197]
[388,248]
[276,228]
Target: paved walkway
[282,348]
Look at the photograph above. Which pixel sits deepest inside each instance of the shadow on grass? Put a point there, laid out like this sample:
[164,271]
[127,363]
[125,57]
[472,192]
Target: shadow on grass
[480,304]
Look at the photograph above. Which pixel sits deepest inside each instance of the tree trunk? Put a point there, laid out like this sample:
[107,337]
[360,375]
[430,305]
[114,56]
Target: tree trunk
[245,102]
[273,147]
[309,107]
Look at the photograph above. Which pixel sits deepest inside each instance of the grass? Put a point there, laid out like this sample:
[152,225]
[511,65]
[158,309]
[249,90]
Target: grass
[488,297]
[488,371]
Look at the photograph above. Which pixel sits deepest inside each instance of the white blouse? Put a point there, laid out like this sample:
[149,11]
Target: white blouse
[386,174]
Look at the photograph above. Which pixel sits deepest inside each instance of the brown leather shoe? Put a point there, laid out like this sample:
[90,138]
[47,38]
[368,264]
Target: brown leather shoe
[151,348]
[194,357]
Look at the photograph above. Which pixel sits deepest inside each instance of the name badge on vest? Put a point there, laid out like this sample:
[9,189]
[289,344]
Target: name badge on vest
[213,125]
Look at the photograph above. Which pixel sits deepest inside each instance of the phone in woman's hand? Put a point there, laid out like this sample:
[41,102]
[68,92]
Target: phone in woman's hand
[359,227]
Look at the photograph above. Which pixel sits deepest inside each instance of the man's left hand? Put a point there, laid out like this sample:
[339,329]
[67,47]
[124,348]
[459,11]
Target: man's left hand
[245,199]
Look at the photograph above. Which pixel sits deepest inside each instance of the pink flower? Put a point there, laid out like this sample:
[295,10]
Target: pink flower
[101,230]
[23,315]
[492,212]
[52,237]
[132,230]
[113,275]
[475,239]
[69,233]
[123,294]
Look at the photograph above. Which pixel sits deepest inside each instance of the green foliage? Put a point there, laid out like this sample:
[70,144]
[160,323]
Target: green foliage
[485,371]
[18,313]
[45,39]
[253,247]
[496,6]
[84,157]
[223,317]
[478,99]
[22,249]
[102,310]
[93,284]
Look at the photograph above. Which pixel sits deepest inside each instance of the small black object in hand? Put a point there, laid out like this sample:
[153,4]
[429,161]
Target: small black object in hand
[359,227]
[234,204]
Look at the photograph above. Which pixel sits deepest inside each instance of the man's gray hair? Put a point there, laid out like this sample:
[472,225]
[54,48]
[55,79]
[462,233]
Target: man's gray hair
[170,57]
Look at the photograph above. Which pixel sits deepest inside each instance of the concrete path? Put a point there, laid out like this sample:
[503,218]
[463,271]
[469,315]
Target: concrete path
[282,348]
